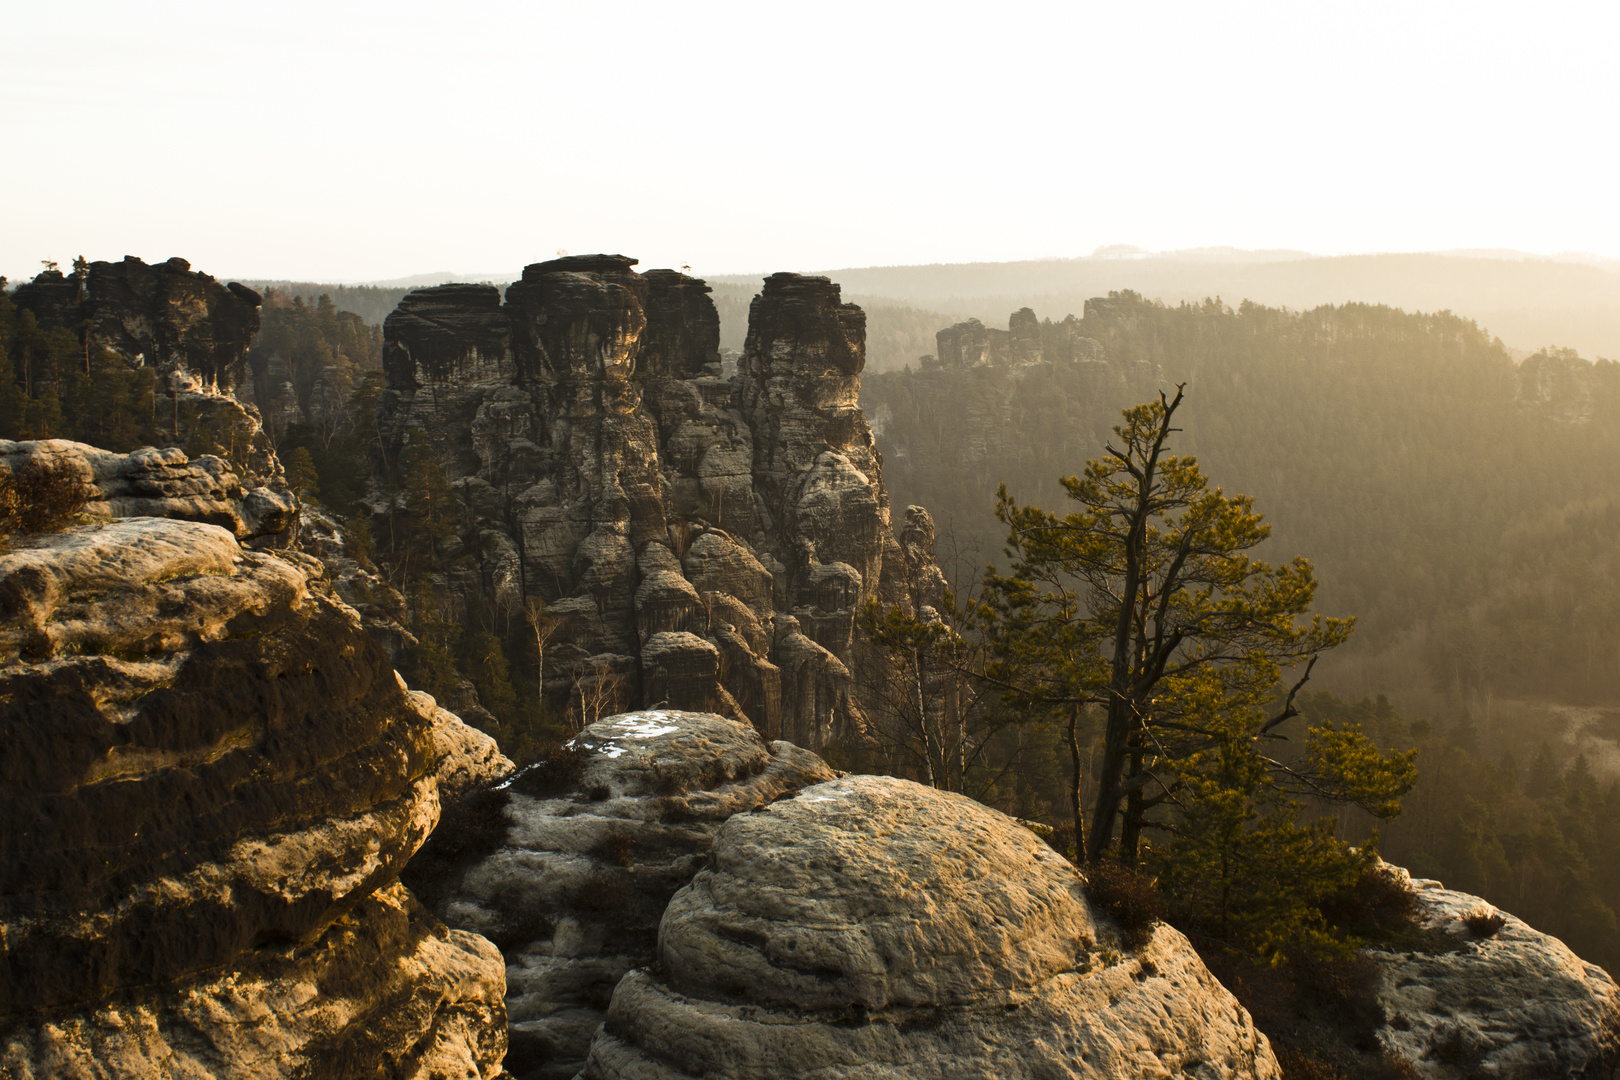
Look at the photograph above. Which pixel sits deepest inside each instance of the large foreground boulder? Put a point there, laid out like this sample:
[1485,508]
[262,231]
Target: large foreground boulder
[1500,999]
[568,865]
[870,927]
[210,782]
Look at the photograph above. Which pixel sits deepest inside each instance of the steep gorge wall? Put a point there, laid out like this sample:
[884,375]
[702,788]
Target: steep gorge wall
[703,542]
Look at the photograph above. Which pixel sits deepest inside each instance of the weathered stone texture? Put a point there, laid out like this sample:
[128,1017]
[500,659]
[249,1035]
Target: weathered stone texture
[1516,1004]
[162,483]
[871,927]
[211,781]
[193,330]
[568,867]
[706,541]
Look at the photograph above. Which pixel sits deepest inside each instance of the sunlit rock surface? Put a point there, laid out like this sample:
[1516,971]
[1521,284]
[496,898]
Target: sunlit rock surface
[871,927]
[161,483]
[210,783]
[1514,1003]
[568,866]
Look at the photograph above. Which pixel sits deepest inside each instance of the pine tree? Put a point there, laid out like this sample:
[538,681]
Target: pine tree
[1145,604]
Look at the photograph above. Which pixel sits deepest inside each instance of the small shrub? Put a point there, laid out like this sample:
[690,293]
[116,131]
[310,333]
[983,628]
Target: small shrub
[667,781]
[1061,840]
[41,497]
[1129,898]
[1484,921]
[1297,1065]
[674,810]
[616,847]
[555,769]
[1378,904]
[1347,986]
[1453,1046]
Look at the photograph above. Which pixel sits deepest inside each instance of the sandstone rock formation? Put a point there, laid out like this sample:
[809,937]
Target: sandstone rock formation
[182,322]
[1560,386]
[1026,341]
[194,331]
[1512,1002]
[871,927]
[210,784]
[702,542]
[162,483]
[568,865]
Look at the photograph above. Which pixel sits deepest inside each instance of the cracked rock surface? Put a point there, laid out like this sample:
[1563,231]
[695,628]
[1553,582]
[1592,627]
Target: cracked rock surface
[568,865]
[872,927]
[210,783]
[161,483]
[1515,1004]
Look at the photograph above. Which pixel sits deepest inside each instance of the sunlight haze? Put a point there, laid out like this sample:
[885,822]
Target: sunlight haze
[362,142]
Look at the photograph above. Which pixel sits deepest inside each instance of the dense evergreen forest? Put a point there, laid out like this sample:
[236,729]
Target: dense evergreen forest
[1461,506]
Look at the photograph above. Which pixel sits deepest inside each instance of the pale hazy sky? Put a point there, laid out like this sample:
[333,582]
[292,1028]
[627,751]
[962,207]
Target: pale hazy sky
[346,141]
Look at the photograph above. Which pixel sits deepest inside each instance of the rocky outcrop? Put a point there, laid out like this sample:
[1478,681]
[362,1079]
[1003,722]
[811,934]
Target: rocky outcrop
[1499,999]
[702,542]
[568,865]
[193,330]
[190,327]
[1562,387]
[1027,340]
[211,782]
[872,927]
[161,483]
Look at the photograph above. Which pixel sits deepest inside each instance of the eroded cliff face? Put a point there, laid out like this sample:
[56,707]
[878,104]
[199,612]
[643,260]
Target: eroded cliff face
[192,329]
[212,780]
[701,542]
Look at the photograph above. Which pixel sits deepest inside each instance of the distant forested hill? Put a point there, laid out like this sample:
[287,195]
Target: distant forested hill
[1466,508]
[1528,302]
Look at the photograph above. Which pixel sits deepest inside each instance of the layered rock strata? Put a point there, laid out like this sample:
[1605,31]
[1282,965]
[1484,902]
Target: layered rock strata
[1503,1000]
[700,542]
[192,329]
[871,927]
[568,866]
[211,782]
[161,483]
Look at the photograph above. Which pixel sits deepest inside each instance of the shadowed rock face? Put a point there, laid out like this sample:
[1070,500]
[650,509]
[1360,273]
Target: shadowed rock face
[568,866]
[211,781]
[871,927]
[705,540]
[184,323]
[193,330]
